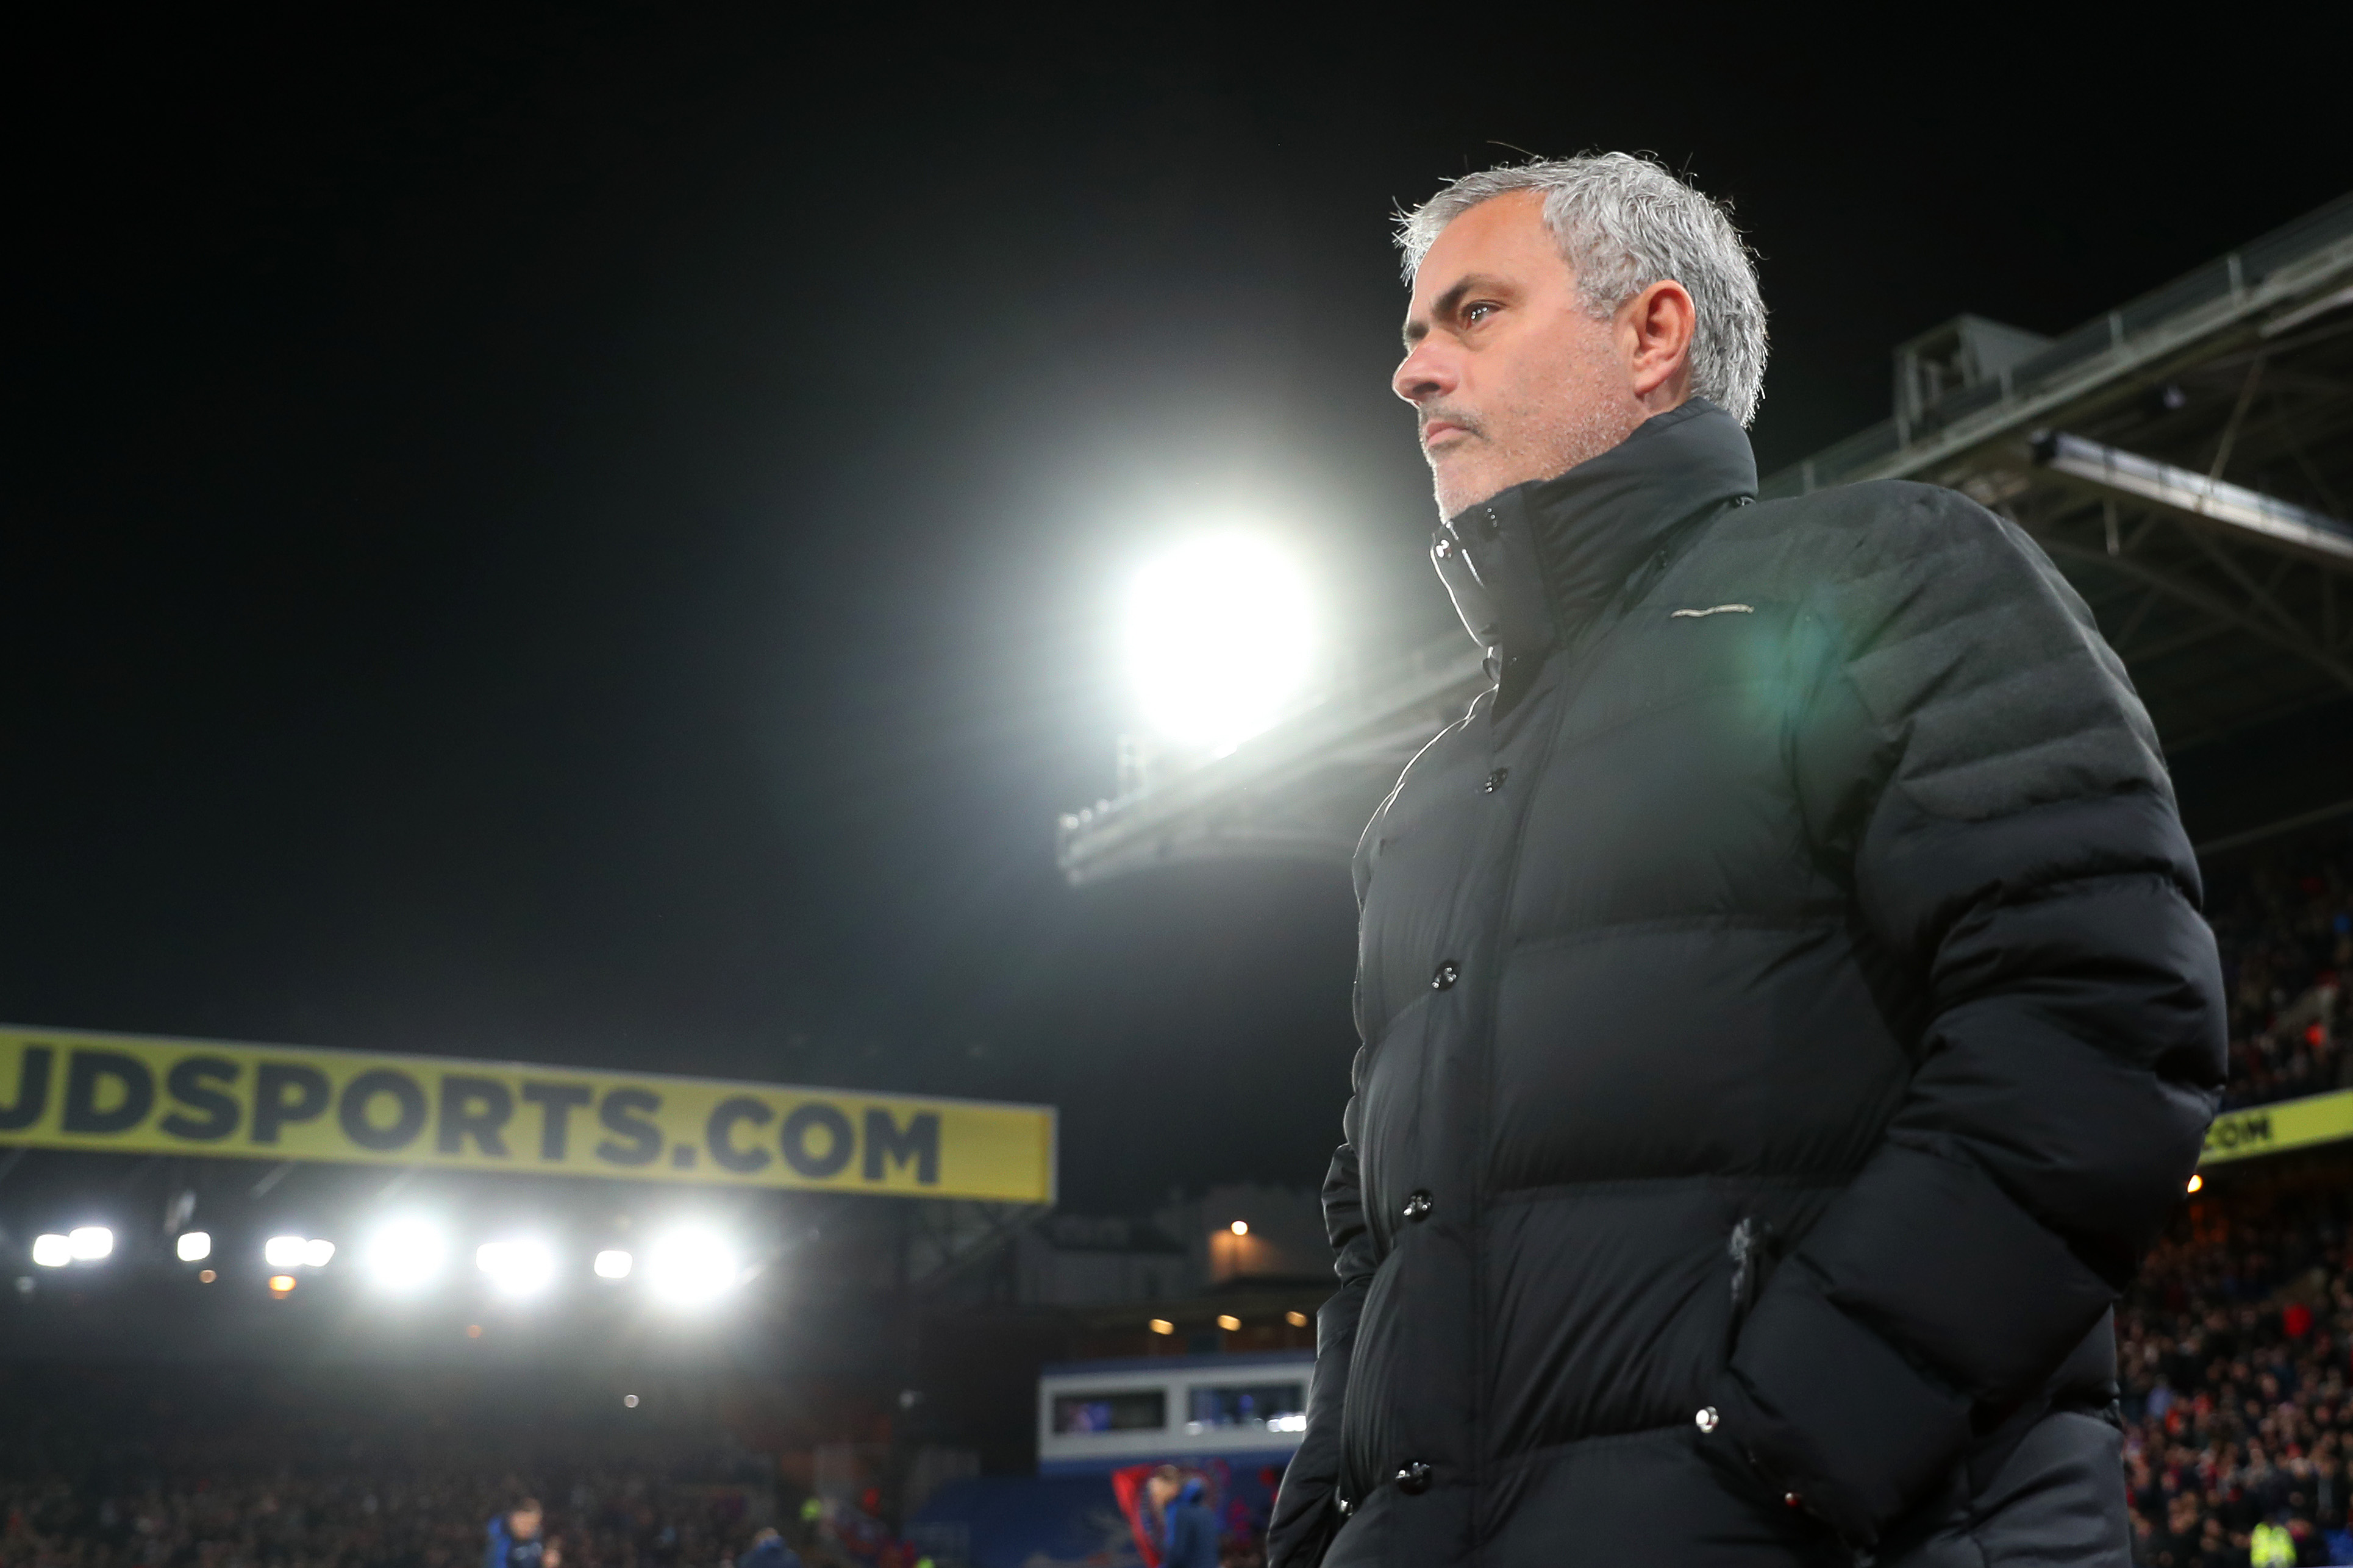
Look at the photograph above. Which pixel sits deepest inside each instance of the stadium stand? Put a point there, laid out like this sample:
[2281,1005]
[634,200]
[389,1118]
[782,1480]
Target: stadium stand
[2284,922]
[2232,1355]
[429,1518]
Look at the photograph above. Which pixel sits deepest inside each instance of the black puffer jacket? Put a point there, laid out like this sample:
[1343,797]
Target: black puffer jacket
[1787,1019]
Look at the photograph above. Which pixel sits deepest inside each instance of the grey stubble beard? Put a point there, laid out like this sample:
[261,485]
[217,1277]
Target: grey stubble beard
[1564,436]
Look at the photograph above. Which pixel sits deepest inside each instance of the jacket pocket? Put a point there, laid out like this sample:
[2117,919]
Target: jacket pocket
[1364,1424]
[1750,1251]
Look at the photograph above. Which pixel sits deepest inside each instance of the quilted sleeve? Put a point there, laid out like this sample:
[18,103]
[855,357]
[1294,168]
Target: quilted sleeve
[1976,761]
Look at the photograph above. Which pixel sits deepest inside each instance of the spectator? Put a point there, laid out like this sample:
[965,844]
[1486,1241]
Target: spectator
[769,1551]
[514,1540]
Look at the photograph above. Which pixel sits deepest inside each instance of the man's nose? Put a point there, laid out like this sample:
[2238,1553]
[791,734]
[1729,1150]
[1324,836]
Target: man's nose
[1426,372]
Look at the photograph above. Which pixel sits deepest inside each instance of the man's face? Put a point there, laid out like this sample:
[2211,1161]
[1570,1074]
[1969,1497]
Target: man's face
[523,1523]
[1511,378]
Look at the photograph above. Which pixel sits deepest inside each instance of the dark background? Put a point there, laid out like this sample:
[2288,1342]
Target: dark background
[593,537]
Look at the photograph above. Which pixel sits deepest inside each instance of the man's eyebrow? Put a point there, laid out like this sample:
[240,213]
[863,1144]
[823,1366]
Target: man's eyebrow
[1446,304]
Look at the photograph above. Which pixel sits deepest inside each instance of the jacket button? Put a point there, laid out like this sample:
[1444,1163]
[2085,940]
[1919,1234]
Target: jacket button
[1448,973]
[1417,1204]
[1414,1480]
[1494,781]
[1706,1419]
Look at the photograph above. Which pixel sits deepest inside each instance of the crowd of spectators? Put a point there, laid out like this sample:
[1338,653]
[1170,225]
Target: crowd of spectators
[359,1519]
[2284,923]
[132,1465]
[2233,1346]
[2233,1355]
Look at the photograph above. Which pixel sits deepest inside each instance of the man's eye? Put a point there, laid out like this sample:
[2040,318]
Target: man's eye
[1473,314]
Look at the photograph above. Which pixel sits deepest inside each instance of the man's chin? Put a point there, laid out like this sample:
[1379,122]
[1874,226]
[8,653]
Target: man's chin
[1457,495]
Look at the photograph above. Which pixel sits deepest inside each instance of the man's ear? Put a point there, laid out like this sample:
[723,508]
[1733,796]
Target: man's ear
[1654,329]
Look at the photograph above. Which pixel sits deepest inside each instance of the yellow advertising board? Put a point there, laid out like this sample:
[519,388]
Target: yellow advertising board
[64,1088]
[2274,1129]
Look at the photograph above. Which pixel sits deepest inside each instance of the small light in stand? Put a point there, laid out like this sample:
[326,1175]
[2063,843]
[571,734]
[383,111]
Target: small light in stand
[473,1330]
[1161,1326]
[2197,1182]
[281,1285]
[206,1277]
[631,1400]
[1228,1322]
[1296,1319]
[1240,1227]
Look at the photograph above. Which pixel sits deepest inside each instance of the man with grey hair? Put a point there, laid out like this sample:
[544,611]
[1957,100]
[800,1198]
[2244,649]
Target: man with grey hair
[1787,1014]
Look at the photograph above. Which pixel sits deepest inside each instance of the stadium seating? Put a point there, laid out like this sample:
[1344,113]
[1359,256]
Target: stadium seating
[2284,922]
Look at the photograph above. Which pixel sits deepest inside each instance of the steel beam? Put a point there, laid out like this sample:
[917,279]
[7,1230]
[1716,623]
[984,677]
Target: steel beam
[1274,795]
[2258,518]
[2294,638]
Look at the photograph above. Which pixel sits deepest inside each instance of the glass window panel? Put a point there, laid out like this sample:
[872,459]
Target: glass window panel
[1273,1406]
[1129,1410]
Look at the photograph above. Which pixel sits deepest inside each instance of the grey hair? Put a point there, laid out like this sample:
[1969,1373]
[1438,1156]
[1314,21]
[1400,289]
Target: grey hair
[1623,223]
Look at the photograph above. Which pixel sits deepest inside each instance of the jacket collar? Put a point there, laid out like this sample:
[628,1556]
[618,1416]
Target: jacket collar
[1529,565]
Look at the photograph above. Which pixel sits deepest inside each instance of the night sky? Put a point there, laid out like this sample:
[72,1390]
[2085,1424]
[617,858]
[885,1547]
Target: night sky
[595,540]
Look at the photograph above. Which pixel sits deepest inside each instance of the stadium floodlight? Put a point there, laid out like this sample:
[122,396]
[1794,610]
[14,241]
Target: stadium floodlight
[90,1242]
[52,1251]
[283,1251]
[316,1254]
[691,1266]
[405,1254]
[614,1264]
[516,1267]
[195,1246]
[1219,636]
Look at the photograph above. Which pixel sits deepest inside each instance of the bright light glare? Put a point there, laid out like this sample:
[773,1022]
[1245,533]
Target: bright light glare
[316,1254]
[691,1266]
[405,1254]
[52,1251]
[90,1241]
[1219,634]
[1240,1227]
[283,1251]
[195,1245]
[614,1264]
[516,1267]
